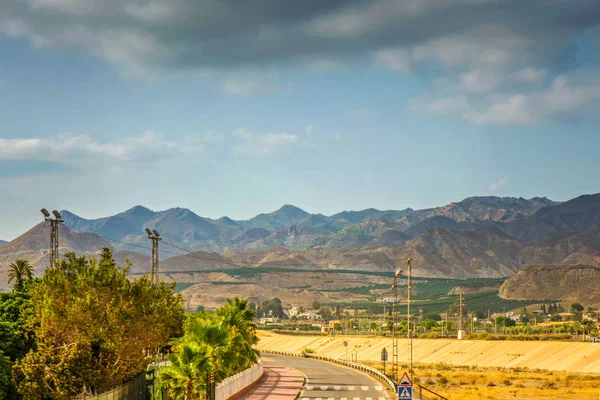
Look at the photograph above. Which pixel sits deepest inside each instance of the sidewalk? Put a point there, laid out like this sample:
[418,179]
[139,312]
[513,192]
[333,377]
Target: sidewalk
[278,383]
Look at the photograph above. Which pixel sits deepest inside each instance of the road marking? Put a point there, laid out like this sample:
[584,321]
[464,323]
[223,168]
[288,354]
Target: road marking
[364,388]
[323,387]
[378,388]
[381,398]
[337,387]
[356,398]
[310,387]
[343,398]
[351,388]
[369,398]
[331,398]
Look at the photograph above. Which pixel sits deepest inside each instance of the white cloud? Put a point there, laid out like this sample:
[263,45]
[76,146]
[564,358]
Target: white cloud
[83,148]
[529,75]
[396,60]
[566,96]
[262,144]
[498,185]
[513,110]
[253,82]
[478,81]
[443,106]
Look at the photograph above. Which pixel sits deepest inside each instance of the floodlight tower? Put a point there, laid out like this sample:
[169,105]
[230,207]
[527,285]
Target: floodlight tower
[395,370]
[408,312]
[53,233]
[154,236]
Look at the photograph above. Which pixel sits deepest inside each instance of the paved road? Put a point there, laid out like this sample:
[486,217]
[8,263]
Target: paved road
[278,383]
[327,381]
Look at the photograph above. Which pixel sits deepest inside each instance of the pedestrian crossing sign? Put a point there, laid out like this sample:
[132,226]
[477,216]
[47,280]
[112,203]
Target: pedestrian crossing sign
[405,392]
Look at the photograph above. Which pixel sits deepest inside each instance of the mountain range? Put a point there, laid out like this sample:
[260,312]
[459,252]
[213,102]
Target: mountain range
[477,237]
[294,228]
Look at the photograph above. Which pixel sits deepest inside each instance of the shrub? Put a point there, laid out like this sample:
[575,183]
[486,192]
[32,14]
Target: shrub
[507,382]
[443,380]
[491,384]
[306,351]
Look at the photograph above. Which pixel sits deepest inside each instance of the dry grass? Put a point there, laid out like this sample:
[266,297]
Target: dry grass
[474,383]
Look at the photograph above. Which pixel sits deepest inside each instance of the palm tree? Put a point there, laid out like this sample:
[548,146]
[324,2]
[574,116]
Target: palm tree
[19,271]
[225,348]
[238,316]
[185,376]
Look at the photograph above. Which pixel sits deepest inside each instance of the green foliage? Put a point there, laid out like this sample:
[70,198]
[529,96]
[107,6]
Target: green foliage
[505,321]
[432,316]
[220,343]
[271,308]
[576,307]
[20,270]
[92,326]
[6,386]
[306,351]
[429,324]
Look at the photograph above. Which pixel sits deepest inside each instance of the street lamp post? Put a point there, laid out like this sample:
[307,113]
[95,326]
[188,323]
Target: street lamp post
[53,233]
[395,370]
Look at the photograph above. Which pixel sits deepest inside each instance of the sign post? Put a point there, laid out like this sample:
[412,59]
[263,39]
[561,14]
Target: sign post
[384,358]
[346,346]
[405,388]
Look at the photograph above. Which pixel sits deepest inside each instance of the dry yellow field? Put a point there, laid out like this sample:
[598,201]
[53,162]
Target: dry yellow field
[470,369]
[580,357]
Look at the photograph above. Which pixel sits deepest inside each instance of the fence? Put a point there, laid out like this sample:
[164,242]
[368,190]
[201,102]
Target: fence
[135,389]
[236,383]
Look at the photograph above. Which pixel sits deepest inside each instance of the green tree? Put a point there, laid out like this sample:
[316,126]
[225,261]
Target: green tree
[185,376]
[6,386]
[239,316]
[505,321]
[93,327]
[432,316]
[373,327]
[316,305]
[20,270]
[576,308]
[337,327]
[429,324]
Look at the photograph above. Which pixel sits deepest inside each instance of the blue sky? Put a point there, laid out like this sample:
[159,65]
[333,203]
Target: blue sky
[329,106]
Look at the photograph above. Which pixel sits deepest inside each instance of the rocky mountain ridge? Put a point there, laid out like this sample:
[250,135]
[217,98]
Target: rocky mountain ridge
[294,228]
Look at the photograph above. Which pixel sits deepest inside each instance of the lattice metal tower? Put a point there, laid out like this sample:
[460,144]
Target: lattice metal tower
[53,252]
[154,237]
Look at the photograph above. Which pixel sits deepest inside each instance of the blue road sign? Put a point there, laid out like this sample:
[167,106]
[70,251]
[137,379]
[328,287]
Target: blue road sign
[405,392]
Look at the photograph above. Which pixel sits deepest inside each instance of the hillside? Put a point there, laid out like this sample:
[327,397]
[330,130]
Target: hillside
[3,242]
[33,246]
[296,229]
[569,283]
[553,223]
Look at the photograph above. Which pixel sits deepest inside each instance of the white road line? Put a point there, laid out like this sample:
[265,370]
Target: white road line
[378,388]
[356,398]
[323,387]
[343,398]
[337,387]
[331,398]
[310,388]
[351,388]
[364,388]
[369,398]
[381,398]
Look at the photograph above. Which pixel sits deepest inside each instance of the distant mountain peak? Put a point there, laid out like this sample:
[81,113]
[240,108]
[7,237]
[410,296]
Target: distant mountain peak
[291,210]
[139,210]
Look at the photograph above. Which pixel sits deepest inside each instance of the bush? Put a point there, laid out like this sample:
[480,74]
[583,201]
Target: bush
[306,351]
[443,380]
[491,384]
[507,382]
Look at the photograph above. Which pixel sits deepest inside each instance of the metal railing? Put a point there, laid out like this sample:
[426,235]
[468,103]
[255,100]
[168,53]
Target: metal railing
[135,389]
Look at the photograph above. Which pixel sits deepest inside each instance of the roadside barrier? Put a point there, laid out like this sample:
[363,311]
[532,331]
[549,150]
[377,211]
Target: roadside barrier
[235,384]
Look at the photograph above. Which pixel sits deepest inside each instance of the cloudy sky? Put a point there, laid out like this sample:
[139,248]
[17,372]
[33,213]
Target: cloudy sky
[235,108]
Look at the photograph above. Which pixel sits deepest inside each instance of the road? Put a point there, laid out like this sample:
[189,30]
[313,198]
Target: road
[327,381]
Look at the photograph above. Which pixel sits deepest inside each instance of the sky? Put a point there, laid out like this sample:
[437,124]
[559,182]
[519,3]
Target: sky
[236,108]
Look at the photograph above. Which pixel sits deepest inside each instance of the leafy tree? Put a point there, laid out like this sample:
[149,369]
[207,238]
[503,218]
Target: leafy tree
[432,316]
[505,321]
[429,324]
[238,316]
[92,326]
[6,386]
[200,308]
[316,305]
[272,308]
[373,326]
[556,318]
[20,270]
[576,308]
[337,327]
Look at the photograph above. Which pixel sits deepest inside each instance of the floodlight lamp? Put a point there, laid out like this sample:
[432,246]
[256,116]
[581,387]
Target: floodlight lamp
[155,233]
[57,214]
[398,273]
[149,232]
[45,212]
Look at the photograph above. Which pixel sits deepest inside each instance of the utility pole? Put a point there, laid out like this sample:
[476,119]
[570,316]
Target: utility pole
[395,370]
[409,314]
[53,233]
[460,310]
[154,236]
